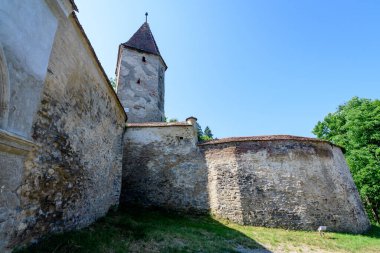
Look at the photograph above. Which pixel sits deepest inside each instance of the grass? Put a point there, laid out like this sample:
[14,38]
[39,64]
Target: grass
[158,231]
[281,240]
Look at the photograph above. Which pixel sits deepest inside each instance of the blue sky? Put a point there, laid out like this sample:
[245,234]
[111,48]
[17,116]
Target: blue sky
[250,67]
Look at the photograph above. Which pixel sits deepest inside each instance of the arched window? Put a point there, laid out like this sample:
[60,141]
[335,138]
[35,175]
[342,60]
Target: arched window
[4,89]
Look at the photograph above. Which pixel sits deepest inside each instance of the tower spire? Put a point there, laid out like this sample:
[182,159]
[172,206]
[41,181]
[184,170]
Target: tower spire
[141,84]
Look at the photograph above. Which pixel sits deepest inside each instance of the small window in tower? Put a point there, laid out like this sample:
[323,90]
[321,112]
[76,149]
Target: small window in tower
[138,81]
[143,59]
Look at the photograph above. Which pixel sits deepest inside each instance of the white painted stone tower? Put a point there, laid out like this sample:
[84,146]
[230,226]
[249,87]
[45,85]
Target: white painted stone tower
[140,73]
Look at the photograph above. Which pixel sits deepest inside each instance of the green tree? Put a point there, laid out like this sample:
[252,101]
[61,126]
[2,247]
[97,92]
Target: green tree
[356,127]
[205,135]
[113,83]
[205,138]
[208,133]
[199,132]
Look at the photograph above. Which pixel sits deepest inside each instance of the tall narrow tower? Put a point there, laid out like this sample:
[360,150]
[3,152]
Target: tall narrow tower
[140,73]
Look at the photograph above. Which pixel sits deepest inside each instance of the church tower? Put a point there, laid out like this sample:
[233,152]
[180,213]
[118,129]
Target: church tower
[140,74]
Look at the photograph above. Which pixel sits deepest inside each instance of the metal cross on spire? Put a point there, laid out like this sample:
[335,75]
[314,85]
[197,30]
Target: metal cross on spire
[146,17]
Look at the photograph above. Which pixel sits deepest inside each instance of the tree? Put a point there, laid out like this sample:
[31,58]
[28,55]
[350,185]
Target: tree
[113,83]
[199,132]
[356,127]
[208,132]
[205,135]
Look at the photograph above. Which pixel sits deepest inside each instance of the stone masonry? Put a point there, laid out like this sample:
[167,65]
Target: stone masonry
[60,136]
[74,177]
[141,77]
[163,167]
[283,182]
[274,181]
[67,155]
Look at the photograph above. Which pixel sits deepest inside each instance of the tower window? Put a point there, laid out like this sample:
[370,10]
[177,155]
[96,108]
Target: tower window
[138,81]
[143,59]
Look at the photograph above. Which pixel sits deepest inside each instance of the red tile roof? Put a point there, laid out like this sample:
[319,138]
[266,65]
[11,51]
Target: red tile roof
[263,138]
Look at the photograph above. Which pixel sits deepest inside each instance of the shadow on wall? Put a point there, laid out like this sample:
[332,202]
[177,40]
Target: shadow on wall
[286,183]
[315,189]
[282,181]
[163,167]
[149,230]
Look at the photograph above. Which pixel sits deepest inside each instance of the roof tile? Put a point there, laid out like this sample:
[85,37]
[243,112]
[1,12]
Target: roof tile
[263,138]
[143,40]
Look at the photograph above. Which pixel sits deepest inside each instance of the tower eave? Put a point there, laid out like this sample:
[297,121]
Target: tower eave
[142,51]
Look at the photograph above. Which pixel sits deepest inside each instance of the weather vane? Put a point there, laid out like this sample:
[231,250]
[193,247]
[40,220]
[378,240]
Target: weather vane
[146,17]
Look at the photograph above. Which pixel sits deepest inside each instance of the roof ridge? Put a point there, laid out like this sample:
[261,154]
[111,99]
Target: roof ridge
[154,41]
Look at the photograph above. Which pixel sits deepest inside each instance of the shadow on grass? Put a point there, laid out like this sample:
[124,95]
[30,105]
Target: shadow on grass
[142,230]
[374,232]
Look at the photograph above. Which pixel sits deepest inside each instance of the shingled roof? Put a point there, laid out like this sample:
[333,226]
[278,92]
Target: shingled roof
[143,40]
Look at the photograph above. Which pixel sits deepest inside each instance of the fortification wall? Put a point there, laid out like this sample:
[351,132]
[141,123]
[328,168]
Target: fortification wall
[163,167]
[65,170]
[273,181]
[295,183]
[75,175]
[27,33]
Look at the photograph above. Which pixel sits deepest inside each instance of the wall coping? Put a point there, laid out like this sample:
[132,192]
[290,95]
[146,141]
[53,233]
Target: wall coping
[92,50]
[15,144]
[158,124]
[265,138]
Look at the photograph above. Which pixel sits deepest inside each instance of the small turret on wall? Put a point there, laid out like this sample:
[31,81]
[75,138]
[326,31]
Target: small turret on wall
[141,77]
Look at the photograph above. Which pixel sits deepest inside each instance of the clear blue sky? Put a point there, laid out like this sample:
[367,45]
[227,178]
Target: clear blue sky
[250,67]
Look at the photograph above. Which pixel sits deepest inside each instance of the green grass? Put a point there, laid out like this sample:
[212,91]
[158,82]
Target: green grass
[304,241]
[158,231]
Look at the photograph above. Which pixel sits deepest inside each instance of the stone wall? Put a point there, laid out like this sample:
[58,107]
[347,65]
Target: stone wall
[62,161]
[295,183]
[27,33]
[163,167]
[61,166]
[272,181]
[140,85]
[13,150]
